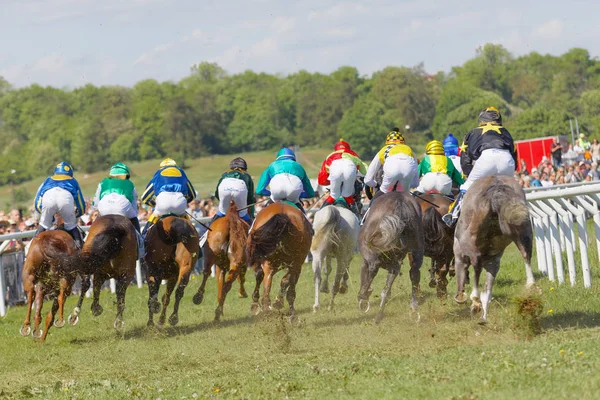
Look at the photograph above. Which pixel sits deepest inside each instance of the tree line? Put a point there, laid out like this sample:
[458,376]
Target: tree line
[213,112]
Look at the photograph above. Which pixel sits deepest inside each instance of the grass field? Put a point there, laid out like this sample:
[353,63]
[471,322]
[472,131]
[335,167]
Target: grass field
[203,172]
[341,354]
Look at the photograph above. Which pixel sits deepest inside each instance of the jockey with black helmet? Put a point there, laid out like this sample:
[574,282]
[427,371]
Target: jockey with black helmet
[60,194]
[487,150]
[236,184]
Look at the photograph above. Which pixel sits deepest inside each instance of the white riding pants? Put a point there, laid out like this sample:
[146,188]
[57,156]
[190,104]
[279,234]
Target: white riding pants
[233,189]
[491,162]
[399,170]
[116,204]
[435,182]
[170,203]
[58,201]
[286,187]
[342,175]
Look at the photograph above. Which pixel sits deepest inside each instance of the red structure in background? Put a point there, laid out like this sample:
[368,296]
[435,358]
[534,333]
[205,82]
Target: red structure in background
[532,150]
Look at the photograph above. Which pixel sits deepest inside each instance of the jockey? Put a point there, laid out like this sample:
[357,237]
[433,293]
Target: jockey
[437,171]
[286,179]
[169,192]
[60,194]
[398,163]
[339,170]
[116,195]
[487,150]
[451,150]
[235,184]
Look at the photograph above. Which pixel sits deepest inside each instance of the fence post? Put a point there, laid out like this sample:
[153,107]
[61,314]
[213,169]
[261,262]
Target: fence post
[2,290]
[138,273]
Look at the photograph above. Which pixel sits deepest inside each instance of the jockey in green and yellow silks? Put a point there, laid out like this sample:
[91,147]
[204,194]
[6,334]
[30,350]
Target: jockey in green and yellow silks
[437,171]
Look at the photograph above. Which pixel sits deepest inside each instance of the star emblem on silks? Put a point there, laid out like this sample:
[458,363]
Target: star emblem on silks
[490,127]
[463,148]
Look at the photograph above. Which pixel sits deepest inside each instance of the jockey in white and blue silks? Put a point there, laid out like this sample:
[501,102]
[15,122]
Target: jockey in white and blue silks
[451,150]
[60,194]
[169,192]
[287,180]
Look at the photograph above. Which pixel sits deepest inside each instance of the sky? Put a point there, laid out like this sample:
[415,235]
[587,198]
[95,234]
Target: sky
[69,43]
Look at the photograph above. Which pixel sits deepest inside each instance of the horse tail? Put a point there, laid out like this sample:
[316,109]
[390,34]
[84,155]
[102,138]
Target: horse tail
[326,220]
[512,211]
[105,245]
[265,239]
[387,237]
[181,231]
[433,226]
[238,233]
[55,249]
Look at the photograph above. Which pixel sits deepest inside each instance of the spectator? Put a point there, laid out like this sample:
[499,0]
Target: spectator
[593,172]
[595,149]
[570,156]
[535,182]
[194,209]
[545,181]
[556,151]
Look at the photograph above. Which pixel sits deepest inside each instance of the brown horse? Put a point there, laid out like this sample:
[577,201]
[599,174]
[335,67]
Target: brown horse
[46,271]
[392,230]
[438,239]
[494,213]
[110,251]
[280,238]
[226,247]
[172,249]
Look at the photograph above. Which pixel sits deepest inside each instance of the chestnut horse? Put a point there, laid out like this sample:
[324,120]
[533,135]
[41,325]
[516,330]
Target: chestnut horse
[438,239]
[494,213]
[280,238]
[46,271]
[392,229]
[172,249]
[110,251]
[226,247]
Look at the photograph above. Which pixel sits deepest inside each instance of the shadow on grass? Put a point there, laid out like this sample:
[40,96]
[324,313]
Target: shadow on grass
[572,319]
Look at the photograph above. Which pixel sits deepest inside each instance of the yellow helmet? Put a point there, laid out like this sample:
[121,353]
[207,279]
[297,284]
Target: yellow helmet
[435,147]
[168,162]
[394,137]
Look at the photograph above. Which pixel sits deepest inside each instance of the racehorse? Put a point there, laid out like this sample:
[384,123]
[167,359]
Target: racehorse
[336,233]
[46,271]
[392,229]
[172,249]
[110,251]
[494,214]
[438,239]
[225,246]
[280,238]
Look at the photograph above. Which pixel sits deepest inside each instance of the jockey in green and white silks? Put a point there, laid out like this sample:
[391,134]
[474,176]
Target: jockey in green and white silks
[116,195]
[437,172]
[235,184]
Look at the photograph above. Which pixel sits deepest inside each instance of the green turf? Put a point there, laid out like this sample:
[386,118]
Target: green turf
[341,354]
[203,172]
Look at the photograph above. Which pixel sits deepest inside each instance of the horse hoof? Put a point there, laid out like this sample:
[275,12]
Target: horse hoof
[278,304]
[364,305]
[150,324]
[161,322]
[415,315]
[38,334]
[242,294]
[73,319]
[324,289]
[292,318]
[343,289]
[255,309]
[475,308]
[173,320]
[119,325]
[198,297]
[154,307]
[316,308]
[25,330]
[460,298]
[482,321]
[378,317]
[59,323]
[97,310]
[432,283]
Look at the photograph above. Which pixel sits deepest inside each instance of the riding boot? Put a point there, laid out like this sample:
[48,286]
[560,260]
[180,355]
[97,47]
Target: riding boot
[76,234]
[39,230]
[328,202]
[136,223]
[247,219]
[299,205]
[454,211]
[146,227]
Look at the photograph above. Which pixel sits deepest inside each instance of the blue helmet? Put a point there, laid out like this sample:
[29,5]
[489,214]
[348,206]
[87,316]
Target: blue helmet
[451,145]
[286,154]
[63,168]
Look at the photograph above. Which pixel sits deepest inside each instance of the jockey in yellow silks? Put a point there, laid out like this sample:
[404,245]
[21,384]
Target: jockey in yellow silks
[437,171]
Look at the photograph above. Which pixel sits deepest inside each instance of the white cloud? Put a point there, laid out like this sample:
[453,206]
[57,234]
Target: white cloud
[283,24]
[150,56]
[549,30]
[340,32]
[338,11]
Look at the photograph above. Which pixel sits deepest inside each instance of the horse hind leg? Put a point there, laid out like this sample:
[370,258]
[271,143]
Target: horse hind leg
[475,293]
[283,288]
[153,303]
[207,261]
[39,302]
[486,296]
[324,288]
[341,270]
[316,266]
[226,284]
[291,291]
[242,280]
[525,245]
[97,309]
[122,284]
[30,288]
[432,273]
[460,267]
[367,274]
[259,275]
[391,276]
[183,281]
[415,261]
[50,317]
[85,286]
[62,295]
[166,299]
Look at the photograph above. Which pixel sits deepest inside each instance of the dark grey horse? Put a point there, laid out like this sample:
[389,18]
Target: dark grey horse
[392,229]
[494,214]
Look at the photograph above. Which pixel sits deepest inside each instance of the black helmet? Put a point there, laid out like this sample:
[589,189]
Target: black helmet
[238,162]
[490,115]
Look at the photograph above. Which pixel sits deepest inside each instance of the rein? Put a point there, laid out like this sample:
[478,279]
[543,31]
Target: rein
[192,217]
[425,200]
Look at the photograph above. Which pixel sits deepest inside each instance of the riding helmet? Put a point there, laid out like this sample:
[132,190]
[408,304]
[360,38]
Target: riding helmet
[435,147]
[286,154]
[239,163]
[119,169]
[394,137]
[63,168]
[168,162]
[490,115]
[342,145]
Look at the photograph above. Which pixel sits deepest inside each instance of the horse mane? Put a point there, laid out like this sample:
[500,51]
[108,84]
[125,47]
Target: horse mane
[326,220]
[262,244]
[238,233]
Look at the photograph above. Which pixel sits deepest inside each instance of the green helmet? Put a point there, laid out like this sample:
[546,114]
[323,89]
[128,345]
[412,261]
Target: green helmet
[119,169]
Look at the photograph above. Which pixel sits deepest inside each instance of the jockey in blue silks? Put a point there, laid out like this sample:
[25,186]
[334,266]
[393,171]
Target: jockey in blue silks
[287,180]
[169,192]
[451,150]
[60,194]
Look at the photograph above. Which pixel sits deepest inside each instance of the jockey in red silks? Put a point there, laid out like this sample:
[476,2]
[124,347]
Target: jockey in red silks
[339,170]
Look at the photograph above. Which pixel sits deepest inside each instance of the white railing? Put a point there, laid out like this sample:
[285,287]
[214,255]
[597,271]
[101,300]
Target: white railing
[555,211]
[6,239]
